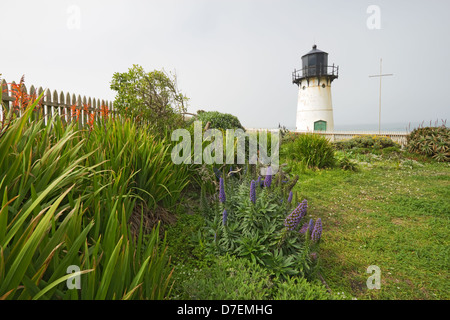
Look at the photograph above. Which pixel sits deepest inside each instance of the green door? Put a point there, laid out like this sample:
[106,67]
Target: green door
[320,125]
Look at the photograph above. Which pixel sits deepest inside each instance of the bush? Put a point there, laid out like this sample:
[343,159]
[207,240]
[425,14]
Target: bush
[312,150]
[433,142]
[218,120]
[346,164]
[366,143]
[391,152]
[149,98]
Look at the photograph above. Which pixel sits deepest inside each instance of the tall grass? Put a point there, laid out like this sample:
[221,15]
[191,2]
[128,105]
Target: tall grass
[311,150]
[66,198]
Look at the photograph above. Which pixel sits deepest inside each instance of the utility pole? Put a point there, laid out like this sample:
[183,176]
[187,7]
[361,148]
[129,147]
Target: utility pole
[381,75]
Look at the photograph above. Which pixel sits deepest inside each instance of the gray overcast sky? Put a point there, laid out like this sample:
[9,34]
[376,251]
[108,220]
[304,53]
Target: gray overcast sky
[237,56]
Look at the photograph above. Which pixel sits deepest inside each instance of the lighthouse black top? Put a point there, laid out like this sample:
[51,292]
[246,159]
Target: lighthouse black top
[315,64]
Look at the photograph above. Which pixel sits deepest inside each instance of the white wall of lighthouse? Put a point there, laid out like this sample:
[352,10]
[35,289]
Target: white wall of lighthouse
[314,104]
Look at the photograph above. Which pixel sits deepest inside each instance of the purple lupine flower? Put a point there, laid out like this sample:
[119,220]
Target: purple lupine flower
[290,197]
[304,228]
[317,231]
[310,225]
[230,172]
[268,178]
[253,191]
[293,219]
[221,190]
[259,182]
[307,227]
[224,217]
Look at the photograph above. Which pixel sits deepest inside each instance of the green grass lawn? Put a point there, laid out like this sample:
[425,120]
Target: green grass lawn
[387,214]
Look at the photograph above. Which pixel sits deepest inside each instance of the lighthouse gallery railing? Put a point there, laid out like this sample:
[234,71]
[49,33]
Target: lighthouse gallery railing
[315,71]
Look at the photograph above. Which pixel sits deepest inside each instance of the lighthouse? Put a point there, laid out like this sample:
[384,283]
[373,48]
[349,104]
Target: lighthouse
[314,107]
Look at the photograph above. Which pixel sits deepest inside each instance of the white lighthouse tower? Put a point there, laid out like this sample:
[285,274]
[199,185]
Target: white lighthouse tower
[314,107]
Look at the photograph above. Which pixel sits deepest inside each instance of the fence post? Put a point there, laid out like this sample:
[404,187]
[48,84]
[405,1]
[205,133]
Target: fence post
[43,107]
[5,98]
[55,101]
[62,107]
[48,103]
[79,109]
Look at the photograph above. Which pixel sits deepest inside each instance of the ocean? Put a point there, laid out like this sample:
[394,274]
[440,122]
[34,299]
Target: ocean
[373,127]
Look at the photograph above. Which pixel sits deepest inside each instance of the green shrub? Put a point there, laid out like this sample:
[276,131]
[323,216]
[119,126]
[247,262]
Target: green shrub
[433,142]
[366,143]
[345,163]
[361,150]
[391,152]
[341,145]
[149,98]
[218,120]
[313,150]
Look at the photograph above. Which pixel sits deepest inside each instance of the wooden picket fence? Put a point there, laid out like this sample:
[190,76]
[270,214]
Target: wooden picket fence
[68,106]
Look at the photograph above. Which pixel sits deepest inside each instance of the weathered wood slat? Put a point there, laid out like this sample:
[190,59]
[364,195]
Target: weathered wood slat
[68,106]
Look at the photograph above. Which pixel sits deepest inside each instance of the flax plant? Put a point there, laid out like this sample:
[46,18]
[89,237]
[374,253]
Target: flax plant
[66,197]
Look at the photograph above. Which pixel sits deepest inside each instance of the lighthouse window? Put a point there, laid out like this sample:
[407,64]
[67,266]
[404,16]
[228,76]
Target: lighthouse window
[304,88]
[323,85]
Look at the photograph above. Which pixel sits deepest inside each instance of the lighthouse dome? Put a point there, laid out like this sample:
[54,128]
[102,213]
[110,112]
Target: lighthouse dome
[315,62]
[315,50]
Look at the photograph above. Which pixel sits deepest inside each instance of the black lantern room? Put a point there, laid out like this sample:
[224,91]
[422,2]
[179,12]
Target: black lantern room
[315,64]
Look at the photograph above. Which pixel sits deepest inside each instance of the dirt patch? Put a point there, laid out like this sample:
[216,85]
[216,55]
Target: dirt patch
[150,219]
[398,221]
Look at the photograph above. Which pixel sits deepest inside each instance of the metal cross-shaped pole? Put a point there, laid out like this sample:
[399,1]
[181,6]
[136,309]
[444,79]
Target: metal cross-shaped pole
[381,75]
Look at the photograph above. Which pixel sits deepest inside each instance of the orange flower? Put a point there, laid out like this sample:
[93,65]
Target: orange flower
[21,99]
[91,120]
[104,111]
[73,110]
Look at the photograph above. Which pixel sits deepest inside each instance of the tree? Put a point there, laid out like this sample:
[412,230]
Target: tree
[152,97]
